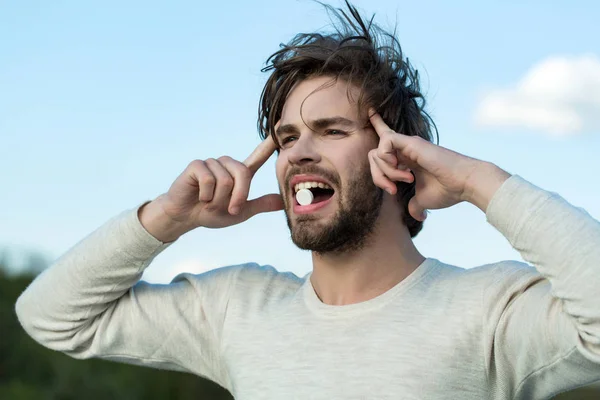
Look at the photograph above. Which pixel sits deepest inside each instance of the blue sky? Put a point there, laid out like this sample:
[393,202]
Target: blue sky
[103,104]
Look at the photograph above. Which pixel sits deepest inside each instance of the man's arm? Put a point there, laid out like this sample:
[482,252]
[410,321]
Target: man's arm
[91,304]
[541,328]
[483,183]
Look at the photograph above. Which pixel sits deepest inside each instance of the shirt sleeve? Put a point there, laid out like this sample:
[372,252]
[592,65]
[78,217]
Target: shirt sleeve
[542,323]
[91,303]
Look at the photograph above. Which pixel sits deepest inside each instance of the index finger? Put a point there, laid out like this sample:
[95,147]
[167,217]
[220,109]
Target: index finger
[261,154]
[378,123]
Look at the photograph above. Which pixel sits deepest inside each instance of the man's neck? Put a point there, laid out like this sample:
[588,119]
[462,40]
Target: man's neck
[387,258]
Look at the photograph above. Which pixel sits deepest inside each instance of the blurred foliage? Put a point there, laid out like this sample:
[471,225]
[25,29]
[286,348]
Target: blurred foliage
[28,371]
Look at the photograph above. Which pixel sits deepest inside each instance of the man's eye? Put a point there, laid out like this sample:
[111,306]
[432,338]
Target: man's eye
[334,132]
[288,139]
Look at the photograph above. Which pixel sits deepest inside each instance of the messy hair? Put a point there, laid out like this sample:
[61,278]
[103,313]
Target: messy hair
[367,57]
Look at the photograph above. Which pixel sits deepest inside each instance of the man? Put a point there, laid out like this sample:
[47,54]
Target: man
[375,318]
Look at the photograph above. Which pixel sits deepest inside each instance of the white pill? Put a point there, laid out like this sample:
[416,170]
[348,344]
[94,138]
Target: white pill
[304,197]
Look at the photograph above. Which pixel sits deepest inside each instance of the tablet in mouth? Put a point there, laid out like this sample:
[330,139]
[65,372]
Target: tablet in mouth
[312,192]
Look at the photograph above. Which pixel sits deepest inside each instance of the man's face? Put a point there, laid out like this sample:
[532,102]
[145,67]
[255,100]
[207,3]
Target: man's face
[327,145]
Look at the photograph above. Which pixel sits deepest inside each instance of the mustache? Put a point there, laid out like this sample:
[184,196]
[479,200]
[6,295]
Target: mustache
[312,170]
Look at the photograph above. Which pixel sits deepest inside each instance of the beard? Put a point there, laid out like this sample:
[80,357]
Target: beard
[359,204]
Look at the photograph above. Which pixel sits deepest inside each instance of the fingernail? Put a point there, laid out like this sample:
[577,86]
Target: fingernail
[234,210]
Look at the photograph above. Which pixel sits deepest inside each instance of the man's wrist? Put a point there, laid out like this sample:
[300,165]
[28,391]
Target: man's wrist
[154,219]
[483,183]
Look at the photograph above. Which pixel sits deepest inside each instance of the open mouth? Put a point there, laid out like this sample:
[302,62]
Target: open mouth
[321,191]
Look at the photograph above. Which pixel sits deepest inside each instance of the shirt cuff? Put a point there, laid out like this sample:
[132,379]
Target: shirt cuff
[134,239]
[514,204]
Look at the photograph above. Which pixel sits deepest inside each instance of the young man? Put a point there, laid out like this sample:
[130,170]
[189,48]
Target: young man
[375,319]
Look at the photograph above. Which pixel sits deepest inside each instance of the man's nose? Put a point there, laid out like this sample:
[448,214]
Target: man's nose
[304,151]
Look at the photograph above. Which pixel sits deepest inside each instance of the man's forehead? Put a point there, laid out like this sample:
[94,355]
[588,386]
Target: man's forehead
[317,99]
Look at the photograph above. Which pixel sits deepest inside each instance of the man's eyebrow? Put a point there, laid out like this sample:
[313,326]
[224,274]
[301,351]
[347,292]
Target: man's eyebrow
[323,123]
[317,124]
[283,129]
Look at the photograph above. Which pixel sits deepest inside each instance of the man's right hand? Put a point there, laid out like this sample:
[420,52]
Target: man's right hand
[212,194]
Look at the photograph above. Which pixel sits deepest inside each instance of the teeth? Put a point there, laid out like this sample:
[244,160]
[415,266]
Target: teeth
[308,185]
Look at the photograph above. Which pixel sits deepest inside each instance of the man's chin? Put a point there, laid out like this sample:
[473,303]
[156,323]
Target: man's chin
[309,230]
[306,224]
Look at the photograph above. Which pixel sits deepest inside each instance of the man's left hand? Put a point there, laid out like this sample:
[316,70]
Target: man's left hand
[443,177]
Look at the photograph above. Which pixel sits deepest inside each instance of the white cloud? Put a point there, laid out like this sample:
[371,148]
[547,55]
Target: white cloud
[558,96]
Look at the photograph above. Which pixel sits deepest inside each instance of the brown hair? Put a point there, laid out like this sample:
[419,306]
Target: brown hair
[367,57]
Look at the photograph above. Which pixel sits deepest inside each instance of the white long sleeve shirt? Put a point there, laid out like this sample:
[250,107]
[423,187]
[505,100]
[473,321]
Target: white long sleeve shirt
[506,330]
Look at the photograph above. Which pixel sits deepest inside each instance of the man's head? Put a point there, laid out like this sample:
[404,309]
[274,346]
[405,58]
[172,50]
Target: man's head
[315,104]
[324,140]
